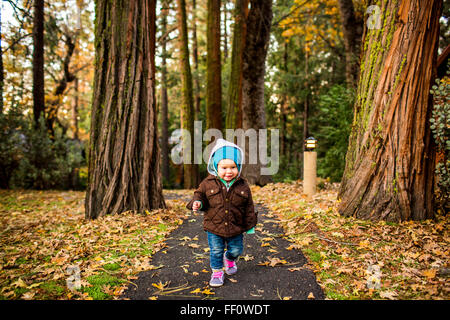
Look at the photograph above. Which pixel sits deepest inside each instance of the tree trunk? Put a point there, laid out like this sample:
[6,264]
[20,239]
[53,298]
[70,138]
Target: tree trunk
[213,68]
[234,98]
[389,170]
[38,60]
[58,94]
[254,61]
[352,30]
[195,56]
[124,159]
[164,102]
[187,108]
[75,107]
[306,103]
[225,32]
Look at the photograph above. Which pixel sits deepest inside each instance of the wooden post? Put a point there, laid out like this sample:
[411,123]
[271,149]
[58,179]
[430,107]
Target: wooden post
[309,173]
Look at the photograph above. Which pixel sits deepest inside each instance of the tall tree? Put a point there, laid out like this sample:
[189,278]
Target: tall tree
[124,161]
[164,100]
[195,56]
[187,108]
[389,170]
[213,68]
[234,96]
[38,60]
[352,30]
[254,61]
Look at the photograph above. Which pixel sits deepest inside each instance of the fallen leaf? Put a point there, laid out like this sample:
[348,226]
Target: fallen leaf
[311,296]
[430,273]
[208,292]
[248,257]
[196,291]
[388,294]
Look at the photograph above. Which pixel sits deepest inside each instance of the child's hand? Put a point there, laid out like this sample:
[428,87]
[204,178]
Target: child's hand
[196,205]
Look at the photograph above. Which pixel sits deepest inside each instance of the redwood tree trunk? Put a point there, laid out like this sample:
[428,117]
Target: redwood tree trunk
[124,164]
[38,60]
[213,68]
[187,108]
[254,61]
[164,100]
[234,98]
[389,170]
[352,30]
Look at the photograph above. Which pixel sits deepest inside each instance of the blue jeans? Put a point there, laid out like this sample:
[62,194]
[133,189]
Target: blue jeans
[217,245]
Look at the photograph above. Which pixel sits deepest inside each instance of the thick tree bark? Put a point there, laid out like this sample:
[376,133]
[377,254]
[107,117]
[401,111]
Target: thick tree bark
[352,30]
[254,61]
[164,100]
[197,97]
[234,106]
[213,68]
[187,108]
[389,170]
[124,159]
[38,60]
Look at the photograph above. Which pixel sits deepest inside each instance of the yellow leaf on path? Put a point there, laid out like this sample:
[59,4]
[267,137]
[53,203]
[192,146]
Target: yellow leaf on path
[265,244]
[287,298]
[248,257]
[207,291]
[159,285]
[196,291]
[153,298]
[311,296]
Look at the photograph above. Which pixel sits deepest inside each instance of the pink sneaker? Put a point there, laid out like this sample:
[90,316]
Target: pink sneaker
[217,279]
[230,266]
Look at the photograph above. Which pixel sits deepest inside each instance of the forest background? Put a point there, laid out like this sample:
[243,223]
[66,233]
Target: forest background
[305,85]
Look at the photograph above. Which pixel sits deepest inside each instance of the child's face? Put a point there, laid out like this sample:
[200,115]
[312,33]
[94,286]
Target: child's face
[227,169]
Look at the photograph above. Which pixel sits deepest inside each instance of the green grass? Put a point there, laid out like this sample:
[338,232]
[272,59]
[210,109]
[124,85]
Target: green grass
[98,282]
[313,255]
[52,289]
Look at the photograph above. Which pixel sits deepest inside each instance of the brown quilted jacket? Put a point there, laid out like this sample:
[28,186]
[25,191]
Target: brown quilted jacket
[226,213]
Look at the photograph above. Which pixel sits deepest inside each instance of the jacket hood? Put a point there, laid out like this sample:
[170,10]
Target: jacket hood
[219,144]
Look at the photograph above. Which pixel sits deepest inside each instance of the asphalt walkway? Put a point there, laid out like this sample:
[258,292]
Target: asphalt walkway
[269,268]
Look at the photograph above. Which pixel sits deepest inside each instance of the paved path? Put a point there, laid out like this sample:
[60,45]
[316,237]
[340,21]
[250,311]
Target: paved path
[267,270]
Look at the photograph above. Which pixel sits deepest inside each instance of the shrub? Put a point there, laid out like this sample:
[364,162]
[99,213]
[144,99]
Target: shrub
[30,159]
[333,125]
[440,127]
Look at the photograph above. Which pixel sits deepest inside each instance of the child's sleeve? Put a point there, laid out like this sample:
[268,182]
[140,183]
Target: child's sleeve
[199,195]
